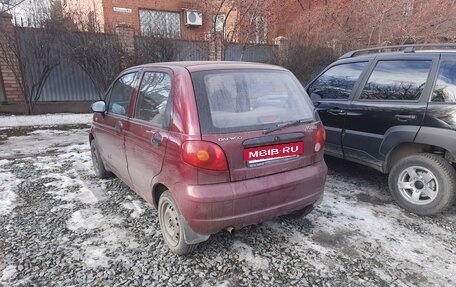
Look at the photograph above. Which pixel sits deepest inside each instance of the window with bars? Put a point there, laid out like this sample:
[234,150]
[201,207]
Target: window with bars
[159,23]
[220,22]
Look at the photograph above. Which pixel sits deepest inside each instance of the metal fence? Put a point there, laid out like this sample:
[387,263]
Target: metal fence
[259,53]
[67,81]
[156,49]
[191,51]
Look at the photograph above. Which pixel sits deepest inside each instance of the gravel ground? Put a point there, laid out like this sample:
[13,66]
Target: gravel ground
[61,226]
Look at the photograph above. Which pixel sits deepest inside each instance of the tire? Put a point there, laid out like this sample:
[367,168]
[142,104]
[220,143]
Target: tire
[424,184]
[172,225]
[301,212]
[97,161]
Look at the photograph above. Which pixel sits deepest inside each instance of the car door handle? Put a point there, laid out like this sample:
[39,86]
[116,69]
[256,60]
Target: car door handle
[119,127]
[405,118]
[156,139]
[336,111]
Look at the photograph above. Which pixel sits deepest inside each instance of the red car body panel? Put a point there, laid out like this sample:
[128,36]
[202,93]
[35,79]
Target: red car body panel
[111,143]
[211,208]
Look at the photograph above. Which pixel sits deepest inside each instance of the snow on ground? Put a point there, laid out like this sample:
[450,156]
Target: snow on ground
[135,206]
[85,193]
[95,256]
[246,254]
[8,187]
[63,164]
[45,120]
[93,250]
[384,229]
[8,272]
[43,141]
[87,219]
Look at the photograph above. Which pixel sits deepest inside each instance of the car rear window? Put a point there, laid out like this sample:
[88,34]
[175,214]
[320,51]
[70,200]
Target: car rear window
[235,101]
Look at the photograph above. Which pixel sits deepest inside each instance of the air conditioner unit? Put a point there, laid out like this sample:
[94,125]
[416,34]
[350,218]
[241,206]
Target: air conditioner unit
[193,18]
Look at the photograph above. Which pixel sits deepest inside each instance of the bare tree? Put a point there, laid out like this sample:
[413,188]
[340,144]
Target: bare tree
[243,22]
[97,54]
[372,23]
[438,26]
[155,49]
[8,5]
[30,55]
[83,20]
[31,13]
[307,61]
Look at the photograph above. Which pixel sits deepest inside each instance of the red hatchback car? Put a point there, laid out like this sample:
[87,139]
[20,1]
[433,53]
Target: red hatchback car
[212,145]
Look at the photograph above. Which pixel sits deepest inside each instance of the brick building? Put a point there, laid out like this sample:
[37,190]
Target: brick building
[177,18]
[168,18]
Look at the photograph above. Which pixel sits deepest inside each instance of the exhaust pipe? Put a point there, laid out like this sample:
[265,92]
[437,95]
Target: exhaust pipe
[230,230]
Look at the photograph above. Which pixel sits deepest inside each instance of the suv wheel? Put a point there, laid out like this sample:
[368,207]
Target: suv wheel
[172,225]
[98,165]
[423,183]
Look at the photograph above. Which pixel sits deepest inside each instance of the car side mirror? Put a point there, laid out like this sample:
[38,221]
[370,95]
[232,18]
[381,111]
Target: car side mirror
[99,107]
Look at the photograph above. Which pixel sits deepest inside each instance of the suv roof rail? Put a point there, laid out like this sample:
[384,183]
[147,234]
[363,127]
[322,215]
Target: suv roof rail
[409,48]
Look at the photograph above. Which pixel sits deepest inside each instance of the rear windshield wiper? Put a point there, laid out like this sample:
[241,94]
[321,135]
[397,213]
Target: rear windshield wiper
[284,125]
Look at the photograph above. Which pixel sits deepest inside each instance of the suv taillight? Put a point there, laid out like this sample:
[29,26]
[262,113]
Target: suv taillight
[320,138]
[205,155]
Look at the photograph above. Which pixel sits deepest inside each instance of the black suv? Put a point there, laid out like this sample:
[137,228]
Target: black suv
[394,109]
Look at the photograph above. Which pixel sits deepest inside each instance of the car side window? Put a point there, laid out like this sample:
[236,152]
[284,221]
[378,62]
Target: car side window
[336,83]
[445,86]
[153,96]
[119,98]
[401,80]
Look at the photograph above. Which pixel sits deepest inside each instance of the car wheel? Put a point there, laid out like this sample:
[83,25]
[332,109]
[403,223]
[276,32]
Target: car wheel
[172,225]
[97,162]
[423,183]
[301,212]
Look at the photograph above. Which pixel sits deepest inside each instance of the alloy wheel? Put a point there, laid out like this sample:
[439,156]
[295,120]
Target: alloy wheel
[418,185]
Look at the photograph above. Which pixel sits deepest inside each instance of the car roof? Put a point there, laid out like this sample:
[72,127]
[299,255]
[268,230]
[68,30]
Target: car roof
[408,50]
[193,66]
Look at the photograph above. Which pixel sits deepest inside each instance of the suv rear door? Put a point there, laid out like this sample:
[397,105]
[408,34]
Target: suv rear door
[331,93]
[391,101]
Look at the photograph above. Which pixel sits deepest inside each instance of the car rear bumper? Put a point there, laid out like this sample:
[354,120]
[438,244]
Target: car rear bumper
[211,208]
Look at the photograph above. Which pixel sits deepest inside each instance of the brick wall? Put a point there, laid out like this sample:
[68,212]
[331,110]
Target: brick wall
[128,14]
[9,64]
[111,13]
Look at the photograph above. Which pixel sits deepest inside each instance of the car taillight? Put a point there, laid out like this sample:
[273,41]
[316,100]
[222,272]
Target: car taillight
[205,155]
[320,138]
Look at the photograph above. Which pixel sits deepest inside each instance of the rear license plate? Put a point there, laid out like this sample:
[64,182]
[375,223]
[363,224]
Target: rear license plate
[273,151]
